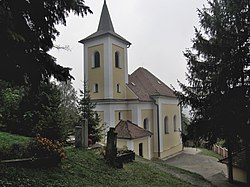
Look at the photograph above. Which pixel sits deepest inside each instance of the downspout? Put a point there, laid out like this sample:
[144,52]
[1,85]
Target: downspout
[158,127]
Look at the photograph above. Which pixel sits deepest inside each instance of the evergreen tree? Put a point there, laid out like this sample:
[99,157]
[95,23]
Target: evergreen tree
[68,104]
[40,113]
[28,31]
[218,89]
[30,113]
[86,108]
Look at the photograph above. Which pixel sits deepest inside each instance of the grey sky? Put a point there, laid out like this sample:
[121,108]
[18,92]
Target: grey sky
[159,32]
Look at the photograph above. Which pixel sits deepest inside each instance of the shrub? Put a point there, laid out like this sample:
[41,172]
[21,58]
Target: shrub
[43,148]
[16,151]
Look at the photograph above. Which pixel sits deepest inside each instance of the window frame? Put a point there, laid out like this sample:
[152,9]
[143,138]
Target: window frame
[96,88]
[96,61]
[117,60]
[118,88]
[166,125]
[119,116]
[175,123]
[146,124]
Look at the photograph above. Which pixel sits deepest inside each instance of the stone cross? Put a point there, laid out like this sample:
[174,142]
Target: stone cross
[81,135]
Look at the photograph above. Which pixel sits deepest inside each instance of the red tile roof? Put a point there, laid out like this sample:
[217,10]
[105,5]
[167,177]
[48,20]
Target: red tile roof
[129,130]
[144,84]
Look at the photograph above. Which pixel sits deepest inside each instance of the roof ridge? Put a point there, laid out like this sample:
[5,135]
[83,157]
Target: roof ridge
[129,132]
[148,85]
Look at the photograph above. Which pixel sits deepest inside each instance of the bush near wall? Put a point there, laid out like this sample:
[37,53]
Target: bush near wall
[41,150]
[51,151]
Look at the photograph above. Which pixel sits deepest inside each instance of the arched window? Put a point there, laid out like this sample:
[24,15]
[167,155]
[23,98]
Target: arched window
[117,59]
[96,59]
[119,116]
[166,129]
[175,123]
[146,124]
[141,149]
[96,115]
[118,89]
[95,88]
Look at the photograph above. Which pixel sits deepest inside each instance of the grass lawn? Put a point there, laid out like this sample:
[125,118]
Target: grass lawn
[83,168]
[7,139]
[210,153]
[87,168]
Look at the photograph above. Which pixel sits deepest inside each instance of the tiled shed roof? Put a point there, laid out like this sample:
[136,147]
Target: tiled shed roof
[144,84]
[239,159]
[129,130]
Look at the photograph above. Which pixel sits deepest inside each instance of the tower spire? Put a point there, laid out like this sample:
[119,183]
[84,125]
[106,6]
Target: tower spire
[105,27]
[105,23]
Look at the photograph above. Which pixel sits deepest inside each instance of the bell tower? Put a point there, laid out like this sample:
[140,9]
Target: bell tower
[105,60]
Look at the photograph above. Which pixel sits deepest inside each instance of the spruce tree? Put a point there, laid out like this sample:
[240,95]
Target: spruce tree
[86,109]
[28,31]
[218,88]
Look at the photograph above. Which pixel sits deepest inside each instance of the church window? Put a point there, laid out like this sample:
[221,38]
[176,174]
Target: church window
[119,115]
[95,88]
[166,129]
[117,60]
[96,115]
[146,124]
[141,149]
[118,89]
[96,61]
[175,123]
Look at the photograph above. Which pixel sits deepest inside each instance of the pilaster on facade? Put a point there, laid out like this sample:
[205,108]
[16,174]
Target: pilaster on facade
[160,126]
[180,126]
[130,145]
[155,129]
[136,114]
[126,65]
[149,148]
[109,116]
[108,69]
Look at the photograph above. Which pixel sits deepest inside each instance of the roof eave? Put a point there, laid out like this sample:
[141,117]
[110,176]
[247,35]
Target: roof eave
[93,36]
[133,138]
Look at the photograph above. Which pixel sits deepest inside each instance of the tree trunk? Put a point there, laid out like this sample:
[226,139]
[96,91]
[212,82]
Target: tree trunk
[230,162]
[248,163]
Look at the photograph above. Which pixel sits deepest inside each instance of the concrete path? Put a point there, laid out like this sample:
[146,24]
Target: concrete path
[208,167]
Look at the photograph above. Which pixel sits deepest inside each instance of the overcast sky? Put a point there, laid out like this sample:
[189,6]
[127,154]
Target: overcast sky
[159,32]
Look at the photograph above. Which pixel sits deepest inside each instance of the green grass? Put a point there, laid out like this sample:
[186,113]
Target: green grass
[7,139]
[87,168]
[210,153]
[82,168]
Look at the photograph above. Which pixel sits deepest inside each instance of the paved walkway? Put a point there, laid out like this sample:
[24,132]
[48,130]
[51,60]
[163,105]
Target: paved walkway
[208,167]
[190,178]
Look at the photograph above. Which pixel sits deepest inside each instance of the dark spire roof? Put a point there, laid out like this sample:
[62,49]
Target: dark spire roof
[105,23]
[105,27]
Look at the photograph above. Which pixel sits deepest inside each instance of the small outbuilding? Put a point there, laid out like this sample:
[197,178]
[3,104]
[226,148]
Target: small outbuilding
[134,138]
[239,166]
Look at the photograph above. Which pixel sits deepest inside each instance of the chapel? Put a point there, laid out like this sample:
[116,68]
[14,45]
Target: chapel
[142,108]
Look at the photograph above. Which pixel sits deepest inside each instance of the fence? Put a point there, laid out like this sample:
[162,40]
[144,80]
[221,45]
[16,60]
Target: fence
[220,150]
